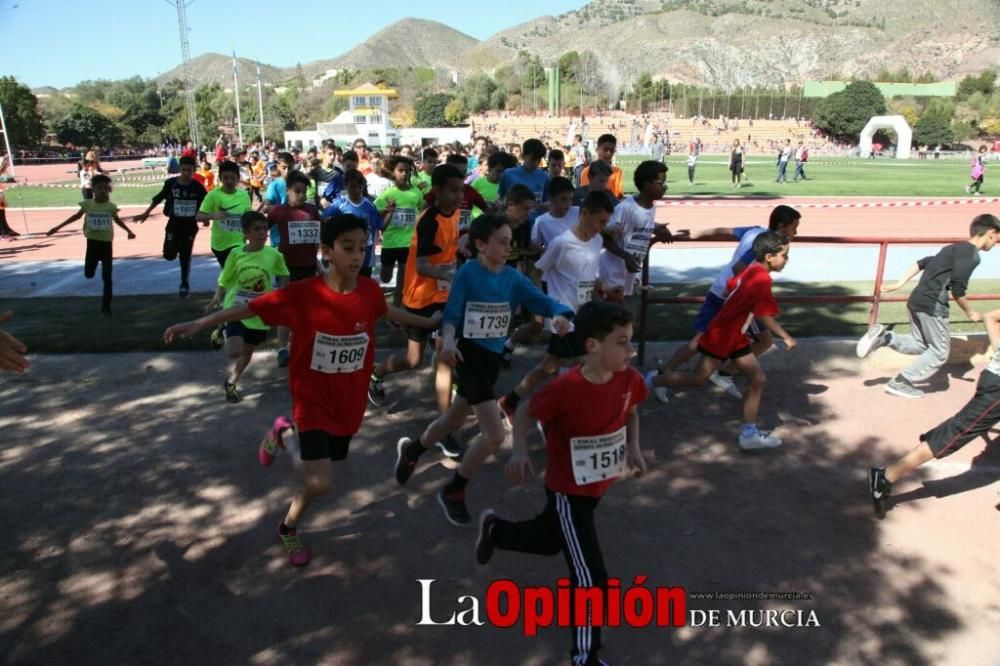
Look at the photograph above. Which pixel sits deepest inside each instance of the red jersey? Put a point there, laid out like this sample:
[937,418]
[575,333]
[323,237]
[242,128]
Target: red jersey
[333,349]
[585,429]
[749,296]
[299,231]
[470,197]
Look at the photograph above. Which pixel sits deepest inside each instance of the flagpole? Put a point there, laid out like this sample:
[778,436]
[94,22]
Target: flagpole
[260,105]
[236,91]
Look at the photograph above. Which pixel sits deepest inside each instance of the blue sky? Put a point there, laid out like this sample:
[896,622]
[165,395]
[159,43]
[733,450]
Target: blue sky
[59,43]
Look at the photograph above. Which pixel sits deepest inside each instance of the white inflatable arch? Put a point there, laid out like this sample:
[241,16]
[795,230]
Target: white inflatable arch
[904,135]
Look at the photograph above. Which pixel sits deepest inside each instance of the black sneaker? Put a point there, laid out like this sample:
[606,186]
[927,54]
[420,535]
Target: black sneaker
[376,394]
[283,357]
[880,489]
[404,466]
[450,447]
[217,340]
[184,291]
[232,394]
[484,543]
[454,507]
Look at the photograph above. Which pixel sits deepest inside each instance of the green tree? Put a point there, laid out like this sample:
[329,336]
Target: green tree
[984,83]
[25,124]
[141,120]
[932,129]
[476,93]
[844,114]
[569,64]
[85,127]
[455,112]
[429,110]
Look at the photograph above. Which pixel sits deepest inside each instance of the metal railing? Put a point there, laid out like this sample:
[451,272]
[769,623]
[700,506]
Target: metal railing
[875,299]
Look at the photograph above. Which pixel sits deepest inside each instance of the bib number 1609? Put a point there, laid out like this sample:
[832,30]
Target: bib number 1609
[339,353]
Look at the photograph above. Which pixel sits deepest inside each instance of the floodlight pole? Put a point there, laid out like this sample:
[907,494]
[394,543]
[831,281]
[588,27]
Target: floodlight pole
[192,111]
[6,141]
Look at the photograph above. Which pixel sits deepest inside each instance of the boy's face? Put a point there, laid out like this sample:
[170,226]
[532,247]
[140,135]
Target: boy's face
[598,183]
[530,162]
[401,174]
[187,172]
[256,235]
[656,188]
[284,168]
[450,195]
[556,167]
[347,254]
[560,203]
[516,151]
[497,248]
[592,224]
[494,173]
[229,180]
[329,155]
[429,163]
[990,240]
[296,195]
[102,191]
[354,190]
[777,262]
[606,152]
[615,351]
[790,231]
[517,213]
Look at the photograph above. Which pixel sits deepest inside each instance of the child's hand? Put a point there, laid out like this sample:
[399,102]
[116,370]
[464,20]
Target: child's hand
[131,236]
[631,264]
[519,468]
[635,461]
[450,355]
[140,218]
[975,316]
[790,342]
[212,305]
[892,287]
[205,223]
[561,325]
[436,319]
[185,330]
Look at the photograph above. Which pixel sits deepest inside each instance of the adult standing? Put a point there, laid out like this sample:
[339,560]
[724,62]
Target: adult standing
[189,150]
[736,163]
[580,158]
[694,150]
[220,151]
[783,156]
[801,157]
[978,172]
[361,148]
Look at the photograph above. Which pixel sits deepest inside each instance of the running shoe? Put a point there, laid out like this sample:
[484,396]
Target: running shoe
[900,387]
[660,392]
[232,394]
[726,383]
[283,357]
[484,542]
[759,440]
[184,291]
[450,447]
[880,489]
[216,339]
[376,392]
[272,442]
[870,341]
[298,554]
[454,507]
[404,467]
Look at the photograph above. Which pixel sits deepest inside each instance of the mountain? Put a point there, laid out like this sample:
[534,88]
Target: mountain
[726,43]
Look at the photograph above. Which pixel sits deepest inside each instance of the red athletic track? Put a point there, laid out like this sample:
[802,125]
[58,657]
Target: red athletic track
[55,173]
[943,222]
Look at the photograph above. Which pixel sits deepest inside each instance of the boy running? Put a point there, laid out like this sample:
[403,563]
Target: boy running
[569,270]
[749,299]
[929,340]
[354,202]
[98,213]
[975,419]
[484,295]
[607,145]
[336,314]
[224,207]
[591,438]
[250,271]
[183,196]
[560,218]
[399,206]
[297,224]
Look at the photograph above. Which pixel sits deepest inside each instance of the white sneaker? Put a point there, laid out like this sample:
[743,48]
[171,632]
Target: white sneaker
[725,383]
[869,341]
[759,440]
[966,189]
[660,392]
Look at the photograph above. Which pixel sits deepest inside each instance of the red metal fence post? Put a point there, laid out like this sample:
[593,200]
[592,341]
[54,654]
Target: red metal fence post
[877,296]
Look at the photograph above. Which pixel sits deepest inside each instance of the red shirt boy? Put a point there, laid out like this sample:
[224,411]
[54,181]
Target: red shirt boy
[749,296]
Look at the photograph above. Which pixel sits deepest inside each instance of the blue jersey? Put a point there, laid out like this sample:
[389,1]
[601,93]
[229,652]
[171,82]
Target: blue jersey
[537,181]
[366,211]
[481,303]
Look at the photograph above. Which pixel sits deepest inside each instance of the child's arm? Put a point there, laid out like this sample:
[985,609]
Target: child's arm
[992,321]
[12,350]
[913,270]
[401,316]
[121,224]
[771,324]
[189,328]
[519,468]
[610,244]
[72,218]
[157,199]
[213,304]
[714,234]
[633,453]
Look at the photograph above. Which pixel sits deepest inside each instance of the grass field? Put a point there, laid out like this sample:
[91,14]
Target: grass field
[75,325]
[827,177]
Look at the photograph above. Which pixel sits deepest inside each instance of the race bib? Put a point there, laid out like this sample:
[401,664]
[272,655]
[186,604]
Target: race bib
[445,285]
[584,291]
[404,217]
[244,296]
[464,217]
[486,320]
[185,208]
[638,246]
[99,221]
[231,223]
[538,198]
[304,232]
[333,354]
[598,458]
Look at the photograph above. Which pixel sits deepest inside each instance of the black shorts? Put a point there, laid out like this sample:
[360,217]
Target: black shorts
[476,375]
[178,239]
[974,419]
[296,273]
[567,346]
[222,255]
[419,333]
[394,255]
[320,445]
[739,353]
[251,336]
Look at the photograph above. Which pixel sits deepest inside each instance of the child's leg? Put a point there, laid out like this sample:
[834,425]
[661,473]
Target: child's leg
[90,259]
[105,258]
[582,551]
[548,367]
[396,362]
[241,353]
[706,366]
[751,369]
[186,249]
[316,477]
[386,264]
[913,459]
[284,333]
[442,380]
[487,442]
[397,293]
[933,335]
[450,421]
[684,354]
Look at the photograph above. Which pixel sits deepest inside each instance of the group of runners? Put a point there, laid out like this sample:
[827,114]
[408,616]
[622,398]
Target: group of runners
[486,257]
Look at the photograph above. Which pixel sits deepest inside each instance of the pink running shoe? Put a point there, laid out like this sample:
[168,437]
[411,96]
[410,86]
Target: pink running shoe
[298,554]
[272,443]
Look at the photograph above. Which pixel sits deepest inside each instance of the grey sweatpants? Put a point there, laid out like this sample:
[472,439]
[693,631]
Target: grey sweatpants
[929,341]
